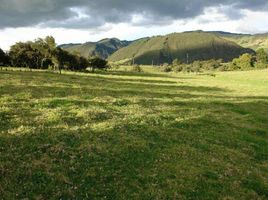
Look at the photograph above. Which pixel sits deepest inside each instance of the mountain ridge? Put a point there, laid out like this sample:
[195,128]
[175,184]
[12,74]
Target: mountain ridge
[102,48]
[108,48]
[186,46]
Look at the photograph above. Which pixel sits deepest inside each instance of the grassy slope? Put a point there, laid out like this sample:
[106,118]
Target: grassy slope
[102,49]
[121,135]
[250,41]
[160,49]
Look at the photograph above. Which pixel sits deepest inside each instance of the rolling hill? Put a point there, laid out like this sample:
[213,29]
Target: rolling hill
[187,47]
[103,48]
[246,40]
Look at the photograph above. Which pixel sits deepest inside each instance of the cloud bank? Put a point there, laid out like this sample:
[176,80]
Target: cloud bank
[79,14]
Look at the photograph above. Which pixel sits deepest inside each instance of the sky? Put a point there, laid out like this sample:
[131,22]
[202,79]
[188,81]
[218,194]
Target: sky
[78,21]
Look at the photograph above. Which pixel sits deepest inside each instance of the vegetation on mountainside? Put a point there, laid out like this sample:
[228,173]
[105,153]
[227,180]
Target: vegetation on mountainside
[43,54]
[244,62]
[127,135]
[102,49]
[187,47]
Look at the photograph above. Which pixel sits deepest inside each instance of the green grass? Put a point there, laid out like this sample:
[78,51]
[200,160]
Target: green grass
[122,135]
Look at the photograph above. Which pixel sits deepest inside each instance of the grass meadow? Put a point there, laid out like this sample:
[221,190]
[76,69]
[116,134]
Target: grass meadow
[127,135]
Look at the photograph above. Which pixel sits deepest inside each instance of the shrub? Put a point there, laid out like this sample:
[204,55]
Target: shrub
[166,68]
[177,68]
[211,64]
[186,68]
[260,65]
[196,66]
[223,68]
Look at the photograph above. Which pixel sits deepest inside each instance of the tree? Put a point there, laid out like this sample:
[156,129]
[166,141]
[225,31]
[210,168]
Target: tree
[98,63]
[4,58]
[51,43]
[43,53]
[24,55]
[61,58]
[83,63]
[46,63]
[262,56]
[211,64]
[244,62]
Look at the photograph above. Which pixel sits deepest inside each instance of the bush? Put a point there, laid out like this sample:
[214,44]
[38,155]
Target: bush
[260,65]
[196,66]
[177,68]
[186,68]
[166,68]
[211,64]
[98,63]
[136,68]
[223,68]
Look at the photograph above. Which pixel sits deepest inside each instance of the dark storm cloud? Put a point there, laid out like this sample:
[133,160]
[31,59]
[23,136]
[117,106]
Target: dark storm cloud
[94,13]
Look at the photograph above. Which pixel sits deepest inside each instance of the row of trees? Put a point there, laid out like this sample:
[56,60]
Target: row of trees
[44,54]
[248,61]
[244,62]
[196,66]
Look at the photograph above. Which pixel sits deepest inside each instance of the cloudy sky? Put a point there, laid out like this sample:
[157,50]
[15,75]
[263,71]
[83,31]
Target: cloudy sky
[74,21]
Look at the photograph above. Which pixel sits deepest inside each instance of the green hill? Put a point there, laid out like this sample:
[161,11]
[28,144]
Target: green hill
[103,48]
[187,46]
[247,41]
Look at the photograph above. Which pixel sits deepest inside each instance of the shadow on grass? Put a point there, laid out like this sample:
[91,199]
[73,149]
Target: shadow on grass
[140,155]
[193,149]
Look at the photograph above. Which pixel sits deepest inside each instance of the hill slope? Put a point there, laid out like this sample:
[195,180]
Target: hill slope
[194,45]
[249,41]
[102,49]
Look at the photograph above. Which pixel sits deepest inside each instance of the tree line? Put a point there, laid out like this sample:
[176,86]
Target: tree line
[44,54]
[244,62]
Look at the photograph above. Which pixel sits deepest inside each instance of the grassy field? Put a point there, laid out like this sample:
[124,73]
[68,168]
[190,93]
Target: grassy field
[123,135]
